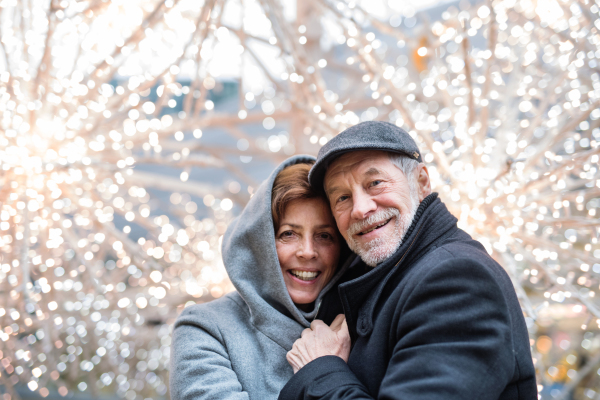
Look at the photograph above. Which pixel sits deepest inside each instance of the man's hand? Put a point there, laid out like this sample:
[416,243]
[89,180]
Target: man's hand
[337,323]
[321,340]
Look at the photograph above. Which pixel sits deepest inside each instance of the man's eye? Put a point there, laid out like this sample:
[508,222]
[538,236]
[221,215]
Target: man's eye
[342,198]
[374,183]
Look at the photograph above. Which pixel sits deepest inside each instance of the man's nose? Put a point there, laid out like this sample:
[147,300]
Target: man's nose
[362,205]
[307,249]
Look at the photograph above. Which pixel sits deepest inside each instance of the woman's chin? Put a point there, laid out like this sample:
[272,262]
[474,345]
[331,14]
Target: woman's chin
[303,300]
[306,307]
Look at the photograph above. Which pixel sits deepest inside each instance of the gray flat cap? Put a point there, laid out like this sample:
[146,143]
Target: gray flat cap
[368,135]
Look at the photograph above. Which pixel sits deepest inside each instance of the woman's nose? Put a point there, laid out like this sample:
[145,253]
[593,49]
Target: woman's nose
[307,249]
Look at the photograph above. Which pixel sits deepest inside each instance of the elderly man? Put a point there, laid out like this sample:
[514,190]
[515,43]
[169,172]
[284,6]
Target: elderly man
[434,316]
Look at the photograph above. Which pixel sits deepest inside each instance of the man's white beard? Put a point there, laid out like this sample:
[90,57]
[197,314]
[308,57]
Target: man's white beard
[380,249]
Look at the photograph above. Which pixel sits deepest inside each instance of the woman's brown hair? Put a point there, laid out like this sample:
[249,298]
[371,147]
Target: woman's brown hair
[291,184]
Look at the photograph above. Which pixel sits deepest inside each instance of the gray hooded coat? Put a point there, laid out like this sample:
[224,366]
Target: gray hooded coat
[235,347]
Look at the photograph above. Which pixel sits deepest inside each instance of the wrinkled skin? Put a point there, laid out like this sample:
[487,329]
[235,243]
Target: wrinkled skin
[361,183]
[321,340]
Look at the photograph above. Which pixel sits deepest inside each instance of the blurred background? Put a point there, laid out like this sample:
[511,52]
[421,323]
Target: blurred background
[134,131]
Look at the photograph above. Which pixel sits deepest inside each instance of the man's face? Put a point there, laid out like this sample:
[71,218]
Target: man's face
[372,202]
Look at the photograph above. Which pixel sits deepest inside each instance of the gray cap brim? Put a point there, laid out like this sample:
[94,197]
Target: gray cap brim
[369,135]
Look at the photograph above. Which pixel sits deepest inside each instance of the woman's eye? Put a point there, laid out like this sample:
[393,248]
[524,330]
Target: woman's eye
[324,236]
[286,234]
[374,183]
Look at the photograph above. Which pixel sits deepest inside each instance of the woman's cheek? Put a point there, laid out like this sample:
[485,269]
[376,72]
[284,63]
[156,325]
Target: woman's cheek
[330,252]
[287,249]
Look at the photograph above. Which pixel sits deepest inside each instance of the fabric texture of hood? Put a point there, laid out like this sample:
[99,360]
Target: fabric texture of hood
[251,261]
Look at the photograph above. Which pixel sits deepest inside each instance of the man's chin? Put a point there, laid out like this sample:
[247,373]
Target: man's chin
[379,249]
[373,254]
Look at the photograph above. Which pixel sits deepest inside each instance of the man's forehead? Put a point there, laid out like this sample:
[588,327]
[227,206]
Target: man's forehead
[367,161]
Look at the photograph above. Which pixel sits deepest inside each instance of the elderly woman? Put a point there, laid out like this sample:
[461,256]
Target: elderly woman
[282,256]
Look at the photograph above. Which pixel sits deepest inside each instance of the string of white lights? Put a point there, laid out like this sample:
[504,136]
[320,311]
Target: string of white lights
[133,131]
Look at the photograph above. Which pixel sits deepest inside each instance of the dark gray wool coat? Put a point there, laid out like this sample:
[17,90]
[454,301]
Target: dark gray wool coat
[438,320]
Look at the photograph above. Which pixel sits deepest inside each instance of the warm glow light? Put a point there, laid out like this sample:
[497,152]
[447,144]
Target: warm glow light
[130,129]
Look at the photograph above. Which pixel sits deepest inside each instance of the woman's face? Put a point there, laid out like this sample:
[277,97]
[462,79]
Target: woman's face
[308,247]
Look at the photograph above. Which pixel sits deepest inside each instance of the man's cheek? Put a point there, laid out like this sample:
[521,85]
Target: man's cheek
[343,231]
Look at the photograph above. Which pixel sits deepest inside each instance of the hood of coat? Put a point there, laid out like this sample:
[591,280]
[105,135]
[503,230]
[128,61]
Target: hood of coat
[251,261]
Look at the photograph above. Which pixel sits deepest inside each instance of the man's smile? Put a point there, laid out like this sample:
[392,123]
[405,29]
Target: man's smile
[374,227]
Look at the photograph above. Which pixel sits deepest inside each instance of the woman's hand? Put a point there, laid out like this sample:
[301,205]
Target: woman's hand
[321,340]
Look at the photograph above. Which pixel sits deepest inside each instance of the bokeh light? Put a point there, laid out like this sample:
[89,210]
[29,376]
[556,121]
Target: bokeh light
[133,131]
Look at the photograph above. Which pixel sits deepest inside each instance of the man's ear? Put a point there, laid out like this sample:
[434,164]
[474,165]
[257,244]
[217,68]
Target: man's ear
[424,184]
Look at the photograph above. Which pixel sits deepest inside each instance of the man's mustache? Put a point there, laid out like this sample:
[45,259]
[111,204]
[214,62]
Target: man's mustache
[379,216]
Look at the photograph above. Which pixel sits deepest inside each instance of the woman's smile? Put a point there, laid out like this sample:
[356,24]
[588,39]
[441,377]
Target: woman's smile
[308,248]
[304,276]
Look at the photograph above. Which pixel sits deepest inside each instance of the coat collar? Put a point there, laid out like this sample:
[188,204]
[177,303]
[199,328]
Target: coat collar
[359,297]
